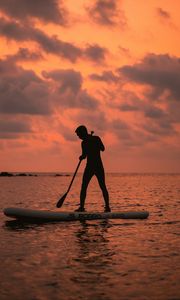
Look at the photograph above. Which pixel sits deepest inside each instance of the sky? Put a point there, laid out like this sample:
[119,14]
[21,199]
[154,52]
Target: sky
[111,65]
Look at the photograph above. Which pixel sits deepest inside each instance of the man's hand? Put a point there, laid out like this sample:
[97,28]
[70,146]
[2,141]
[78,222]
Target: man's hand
[82,157]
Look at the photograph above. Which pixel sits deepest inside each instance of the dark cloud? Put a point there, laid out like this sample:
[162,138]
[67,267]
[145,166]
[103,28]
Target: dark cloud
[106,76]
[119,125]
[154,119]
[126,100]
[68,90]
[18,32]
[163,13]
[151,119]
[45,10]
[123,132]
[158,122]
[55,46]
[159,128]
[69,135]
[24,54]
[128,107]
[124,51]
[85,100]
[95,53]
[22,91]
[14,30]
[161,72]
[13,129]
[130,136]
[166,18]
[154,112]
[50,44]
[107,13]
[67,79]
[95,121]
[70,100]
[13,126]
[8,136]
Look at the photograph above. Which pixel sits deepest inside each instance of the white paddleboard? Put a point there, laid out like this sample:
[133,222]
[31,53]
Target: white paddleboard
[50,216]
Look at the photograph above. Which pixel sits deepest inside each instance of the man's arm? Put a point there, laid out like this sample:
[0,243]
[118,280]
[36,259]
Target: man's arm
[83,156]
[101,146]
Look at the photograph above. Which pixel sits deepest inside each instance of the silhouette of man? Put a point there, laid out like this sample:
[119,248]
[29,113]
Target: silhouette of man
[91,147]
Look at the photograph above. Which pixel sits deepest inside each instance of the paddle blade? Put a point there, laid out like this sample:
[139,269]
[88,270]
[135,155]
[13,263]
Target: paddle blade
[61,200]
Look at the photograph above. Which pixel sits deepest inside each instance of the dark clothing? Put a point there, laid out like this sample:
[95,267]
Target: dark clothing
[91,147]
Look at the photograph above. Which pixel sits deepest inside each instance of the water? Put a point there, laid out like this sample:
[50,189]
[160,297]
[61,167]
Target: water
[97,260]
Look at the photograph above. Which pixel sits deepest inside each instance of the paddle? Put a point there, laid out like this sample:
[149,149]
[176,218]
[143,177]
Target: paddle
[61,200]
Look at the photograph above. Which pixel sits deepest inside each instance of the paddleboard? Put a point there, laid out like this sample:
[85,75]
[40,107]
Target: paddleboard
[51,216]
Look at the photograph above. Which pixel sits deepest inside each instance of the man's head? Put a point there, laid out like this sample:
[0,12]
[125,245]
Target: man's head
[81,132]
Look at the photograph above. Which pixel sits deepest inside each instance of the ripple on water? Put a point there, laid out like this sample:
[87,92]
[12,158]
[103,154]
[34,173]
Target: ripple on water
[99,260]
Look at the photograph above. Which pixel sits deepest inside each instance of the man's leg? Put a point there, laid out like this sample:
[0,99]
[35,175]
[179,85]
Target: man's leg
[85,181]
[101,179]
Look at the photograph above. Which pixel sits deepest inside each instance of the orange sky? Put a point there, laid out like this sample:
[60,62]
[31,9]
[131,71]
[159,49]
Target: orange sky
[113,66]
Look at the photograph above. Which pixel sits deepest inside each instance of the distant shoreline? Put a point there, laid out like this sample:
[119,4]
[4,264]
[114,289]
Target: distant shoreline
[67,174]
[26,174]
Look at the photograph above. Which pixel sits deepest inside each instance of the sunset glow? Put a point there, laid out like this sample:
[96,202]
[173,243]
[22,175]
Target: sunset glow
[111,65]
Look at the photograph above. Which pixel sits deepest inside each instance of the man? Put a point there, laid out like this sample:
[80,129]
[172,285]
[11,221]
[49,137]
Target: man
[91,147]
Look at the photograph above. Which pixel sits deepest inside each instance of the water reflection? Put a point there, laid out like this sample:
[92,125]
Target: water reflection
[17,225]
[93,258]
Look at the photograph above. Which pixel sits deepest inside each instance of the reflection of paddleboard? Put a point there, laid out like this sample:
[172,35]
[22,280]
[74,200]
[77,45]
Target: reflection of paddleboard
[50,216]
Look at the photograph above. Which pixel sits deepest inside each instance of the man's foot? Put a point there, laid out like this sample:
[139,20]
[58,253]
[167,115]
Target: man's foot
[80,209]
[107,209]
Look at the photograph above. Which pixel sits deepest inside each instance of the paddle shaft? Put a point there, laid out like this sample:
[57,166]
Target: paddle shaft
[73,177]
[61,200]
[76,171]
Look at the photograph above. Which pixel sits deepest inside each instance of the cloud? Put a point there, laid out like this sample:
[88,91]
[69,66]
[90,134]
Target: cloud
[148,132]
[55,46]
[48,11]
[127,136]
[19,32]
[67,133]
[14,126]
[68,90]
[127,101]
[9,136]
[119,125]
[154,112]
[166,18]
[152,118]
[158,121]
[95,121]
[161,72]
[163,13]
[85,100]
[22,91]
[14,30]
[12,129]
[128,107]
[95,53]
[24,54]
[66,79]
[106,76]
[159,128]
[50,44]
[124,51]
[107,13]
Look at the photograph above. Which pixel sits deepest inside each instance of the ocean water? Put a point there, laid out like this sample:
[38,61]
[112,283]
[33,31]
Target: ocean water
[92,260]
